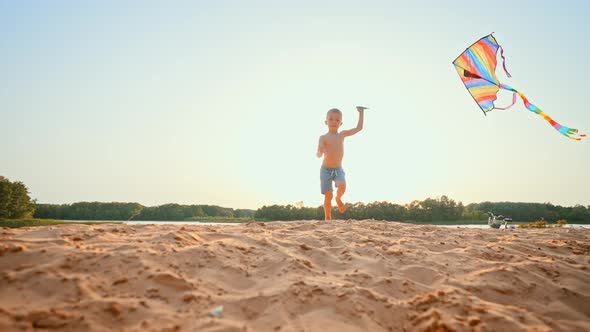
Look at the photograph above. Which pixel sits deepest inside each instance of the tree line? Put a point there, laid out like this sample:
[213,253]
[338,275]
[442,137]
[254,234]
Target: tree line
[432,210]
[135,211]
[440,208]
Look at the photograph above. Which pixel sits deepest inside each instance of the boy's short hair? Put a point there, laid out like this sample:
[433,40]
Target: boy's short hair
[333,110]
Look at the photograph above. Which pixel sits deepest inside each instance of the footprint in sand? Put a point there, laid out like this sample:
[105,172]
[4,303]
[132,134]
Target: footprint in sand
[421,274]
[172,281]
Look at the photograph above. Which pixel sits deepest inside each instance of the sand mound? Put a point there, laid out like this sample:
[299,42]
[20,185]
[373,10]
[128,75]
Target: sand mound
[301,276]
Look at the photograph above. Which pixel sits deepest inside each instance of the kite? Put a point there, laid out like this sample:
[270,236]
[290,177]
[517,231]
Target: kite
[477,69]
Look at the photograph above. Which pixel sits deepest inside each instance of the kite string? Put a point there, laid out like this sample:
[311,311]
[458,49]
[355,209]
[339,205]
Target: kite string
[507,107]
[504,61]
[568,132]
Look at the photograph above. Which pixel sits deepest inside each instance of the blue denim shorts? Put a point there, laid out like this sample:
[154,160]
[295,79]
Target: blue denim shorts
[327,175]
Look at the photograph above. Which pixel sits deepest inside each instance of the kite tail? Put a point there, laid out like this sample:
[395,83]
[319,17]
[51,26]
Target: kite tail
[570,133]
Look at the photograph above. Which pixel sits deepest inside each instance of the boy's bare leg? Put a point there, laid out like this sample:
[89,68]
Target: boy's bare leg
[328,205]
[339,193]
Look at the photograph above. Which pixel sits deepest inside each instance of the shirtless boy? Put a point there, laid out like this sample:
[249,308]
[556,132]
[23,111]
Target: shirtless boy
[331,146]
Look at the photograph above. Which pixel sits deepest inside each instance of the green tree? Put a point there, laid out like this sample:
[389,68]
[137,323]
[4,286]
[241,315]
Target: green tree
[15,202]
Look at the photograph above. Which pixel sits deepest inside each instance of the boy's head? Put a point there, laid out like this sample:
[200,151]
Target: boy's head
[334,118]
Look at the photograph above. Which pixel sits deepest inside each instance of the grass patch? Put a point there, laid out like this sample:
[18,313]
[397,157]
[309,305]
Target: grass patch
[543,224]
[16,223]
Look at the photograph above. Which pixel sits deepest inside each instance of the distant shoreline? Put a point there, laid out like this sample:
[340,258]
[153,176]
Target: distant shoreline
[50,222]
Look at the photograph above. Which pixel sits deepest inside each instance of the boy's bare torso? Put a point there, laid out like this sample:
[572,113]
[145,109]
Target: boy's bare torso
[333,148]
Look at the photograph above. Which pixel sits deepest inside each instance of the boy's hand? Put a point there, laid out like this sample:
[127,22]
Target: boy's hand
[359,125]
[320,148]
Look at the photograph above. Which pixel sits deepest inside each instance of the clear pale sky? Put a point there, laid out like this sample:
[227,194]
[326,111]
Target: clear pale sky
[222,102]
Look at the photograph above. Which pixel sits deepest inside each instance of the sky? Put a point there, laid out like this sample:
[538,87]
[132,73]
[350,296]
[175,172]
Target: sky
[222,102]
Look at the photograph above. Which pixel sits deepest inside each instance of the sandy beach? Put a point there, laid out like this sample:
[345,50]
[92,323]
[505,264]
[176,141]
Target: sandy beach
[339,276]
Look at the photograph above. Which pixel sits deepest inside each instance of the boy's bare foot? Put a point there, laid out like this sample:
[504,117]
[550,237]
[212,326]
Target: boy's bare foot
[341,206]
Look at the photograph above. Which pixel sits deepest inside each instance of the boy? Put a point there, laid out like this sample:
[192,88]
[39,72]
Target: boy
[331,145]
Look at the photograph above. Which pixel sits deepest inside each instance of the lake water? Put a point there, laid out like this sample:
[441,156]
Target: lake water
[233,224]
[486,226]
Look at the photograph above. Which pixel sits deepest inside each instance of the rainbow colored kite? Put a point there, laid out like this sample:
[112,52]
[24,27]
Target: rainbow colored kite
[477,69]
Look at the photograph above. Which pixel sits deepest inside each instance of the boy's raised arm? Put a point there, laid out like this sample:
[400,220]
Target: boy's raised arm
[359,125]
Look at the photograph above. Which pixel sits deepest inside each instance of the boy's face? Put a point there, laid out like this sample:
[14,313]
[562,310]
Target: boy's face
[333,120]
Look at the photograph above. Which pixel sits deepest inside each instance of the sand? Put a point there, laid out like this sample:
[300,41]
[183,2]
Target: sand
[302,276]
